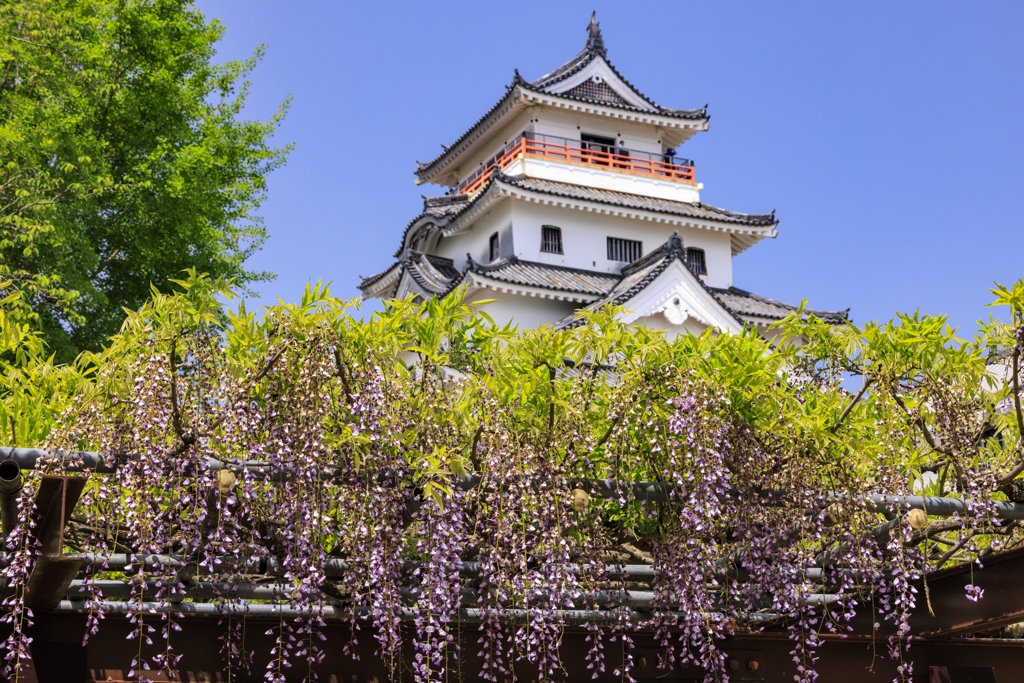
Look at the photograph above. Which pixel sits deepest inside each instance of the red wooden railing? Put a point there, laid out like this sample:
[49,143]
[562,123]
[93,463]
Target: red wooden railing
[560,149]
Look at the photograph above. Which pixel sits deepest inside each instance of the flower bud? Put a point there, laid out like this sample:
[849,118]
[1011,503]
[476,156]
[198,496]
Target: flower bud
[225,481]
[917,519]
[580,500]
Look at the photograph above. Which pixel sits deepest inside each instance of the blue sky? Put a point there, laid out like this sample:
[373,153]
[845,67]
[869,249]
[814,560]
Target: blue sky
[887,135]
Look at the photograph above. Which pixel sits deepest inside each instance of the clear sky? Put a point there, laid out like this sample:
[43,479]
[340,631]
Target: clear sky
[889,136]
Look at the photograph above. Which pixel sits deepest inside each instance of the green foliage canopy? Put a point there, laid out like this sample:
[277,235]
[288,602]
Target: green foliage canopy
[366,414]
[123,159]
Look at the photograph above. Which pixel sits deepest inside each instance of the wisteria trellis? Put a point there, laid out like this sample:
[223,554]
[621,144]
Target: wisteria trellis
[367,427]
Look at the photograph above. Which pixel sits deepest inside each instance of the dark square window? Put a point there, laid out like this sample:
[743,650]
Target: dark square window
[695,260]
[598,143]
[551,239]
[494,247]
[626,251]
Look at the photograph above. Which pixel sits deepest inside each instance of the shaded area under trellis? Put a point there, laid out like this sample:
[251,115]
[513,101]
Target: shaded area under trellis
[937,651]
[61,658]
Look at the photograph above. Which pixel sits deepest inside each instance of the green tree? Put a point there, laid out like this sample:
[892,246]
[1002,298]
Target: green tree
[124,159]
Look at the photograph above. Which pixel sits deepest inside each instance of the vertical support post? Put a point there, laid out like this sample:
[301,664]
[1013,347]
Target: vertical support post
[53,571]
[10,487]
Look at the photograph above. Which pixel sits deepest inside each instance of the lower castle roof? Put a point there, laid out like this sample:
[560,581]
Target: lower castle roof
[437,275]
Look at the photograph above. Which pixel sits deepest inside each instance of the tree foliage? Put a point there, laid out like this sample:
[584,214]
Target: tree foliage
[415,439]
[124,159]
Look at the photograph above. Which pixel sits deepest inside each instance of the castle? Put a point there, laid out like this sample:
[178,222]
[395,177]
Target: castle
[569,194]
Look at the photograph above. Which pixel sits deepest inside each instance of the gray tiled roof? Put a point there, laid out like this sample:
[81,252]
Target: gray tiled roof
[745,303]
[423,167]
[442,209]
[547,276]
[446,208]
[435,274]
[594,48]
[742,304]
[634,201]
[439,276]
[365,282]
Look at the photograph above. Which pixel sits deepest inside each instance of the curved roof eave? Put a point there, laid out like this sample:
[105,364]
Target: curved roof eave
[722,217]
[443,221]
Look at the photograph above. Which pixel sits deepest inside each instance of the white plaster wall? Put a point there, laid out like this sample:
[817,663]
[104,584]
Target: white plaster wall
[569,124]
[645,185]
[476,238]
[584,239]
[505,135]
[660,322]
[526,312]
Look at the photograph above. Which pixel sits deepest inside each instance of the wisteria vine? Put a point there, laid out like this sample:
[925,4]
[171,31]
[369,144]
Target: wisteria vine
[439,464]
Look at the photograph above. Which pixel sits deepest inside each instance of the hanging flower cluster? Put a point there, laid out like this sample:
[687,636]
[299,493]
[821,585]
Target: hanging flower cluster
[423,472]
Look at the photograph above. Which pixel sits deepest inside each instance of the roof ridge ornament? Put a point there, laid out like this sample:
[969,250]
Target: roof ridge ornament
[675,244]
[595,41]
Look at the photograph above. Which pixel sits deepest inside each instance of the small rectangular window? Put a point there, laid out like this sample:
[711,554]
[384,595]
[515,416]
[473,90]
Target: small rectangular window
[551,239]
[695,260]
[494,247]
[626,251]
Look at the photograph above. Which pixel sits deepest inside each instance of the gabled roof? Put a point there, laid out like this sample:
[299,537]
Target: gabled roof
[434,274]
[639,275]
[520,93]
[595,50]
[382,285]
[750,305]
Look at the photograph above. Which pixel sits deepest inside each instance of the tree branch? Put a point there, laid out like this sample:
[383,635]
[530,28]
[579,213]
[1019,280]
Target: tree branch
[923,426]
[340,365]
[851,404]
[1016,391]
[179,430]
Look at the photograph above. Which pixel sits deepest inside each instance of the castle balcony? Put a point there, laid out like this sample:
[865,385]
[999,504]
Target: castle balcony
[548,156]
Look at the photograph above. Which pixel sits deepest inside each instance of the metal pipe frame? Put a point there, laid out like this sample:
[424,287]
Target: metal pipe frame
[82,461]
[335,567]
[568,617]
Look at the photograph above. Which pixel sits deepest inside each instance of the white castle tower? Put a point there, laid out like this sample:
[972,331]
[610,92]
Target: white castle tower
[569,193]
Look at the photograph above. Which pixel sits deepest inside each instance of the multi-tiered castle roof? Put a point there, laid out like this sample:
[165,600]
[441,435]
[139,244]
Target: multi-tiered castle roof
[555,198]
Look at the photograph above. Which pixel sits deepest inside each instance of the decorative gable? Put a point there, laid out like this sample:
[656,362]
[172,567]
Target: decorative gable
[593,71]
[676,294]
[596,89]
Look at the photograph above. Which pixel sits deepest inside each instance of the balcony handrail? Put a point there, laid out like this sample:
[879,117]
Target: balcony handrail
[637,162]
[663,157]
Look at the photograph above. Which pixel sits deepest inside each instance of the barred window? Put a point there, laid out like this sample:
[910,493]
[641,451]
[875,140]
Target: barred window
[695,260]
[626,251]
[551,239]
[494,247]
